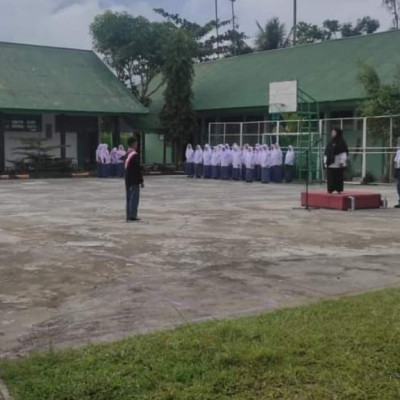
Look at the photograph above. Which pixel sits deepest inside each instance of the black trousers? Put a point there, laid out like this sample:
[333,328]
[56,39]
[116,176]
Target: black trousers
[335,178]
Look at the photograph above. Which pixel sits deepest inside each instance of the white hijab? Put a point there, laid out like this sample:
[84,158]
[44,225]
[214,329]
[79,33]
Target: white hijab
[207,155]
[198,155]
[290,156]
[189,154]
[397,159]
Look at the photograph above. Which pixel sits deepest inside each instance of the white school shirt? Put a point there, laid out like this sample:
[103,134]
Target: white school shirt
[340,161]
[189,155]
[198,156]
[237,159]
[249,160]
[207,157]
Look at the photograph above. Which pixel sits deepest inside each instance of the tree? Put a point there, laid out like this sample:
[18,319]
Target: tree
[177,116]
[309,33]
[393,6]
[272,36]
[331,28]
[132,47]
[228,43]
[365,25]
[35,157]
[383,99]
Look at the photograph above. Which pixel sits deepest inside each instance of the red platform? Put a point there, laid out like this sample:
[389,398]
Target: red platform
[343,201]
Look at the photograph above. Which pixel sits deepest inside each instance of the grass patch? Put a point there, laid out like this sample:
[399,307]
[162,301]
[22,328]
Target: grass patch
[344,349]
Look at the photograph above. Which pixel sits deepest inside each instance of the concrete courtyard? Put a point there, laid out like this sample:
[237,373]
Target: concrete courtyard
[72,271]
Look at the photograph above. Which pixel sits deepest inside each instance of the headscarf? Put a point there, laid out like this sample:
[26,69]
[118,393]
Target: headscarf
[121,153]
[189,154]
[114,156]
[198,155]
[207,155]
[335,147]
[214,156]
[290,156]
[249,158]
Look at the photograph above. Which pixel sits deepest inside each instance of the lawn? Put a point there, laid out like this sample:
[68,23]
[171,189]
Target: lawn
[339,349]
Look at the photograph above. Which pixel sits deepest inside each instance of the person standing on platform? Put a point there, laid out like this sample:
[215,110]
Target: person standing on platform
[121,153]
[133,181]
[265,164]
[249,159]
[198,161]
[335,160]
[207,162]
[289,165]
[189,155]
[397,174]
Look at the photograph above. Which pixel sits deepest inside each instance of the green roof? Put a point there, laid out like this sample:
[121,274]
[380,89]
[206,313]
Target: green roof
[327,71]
[39,78]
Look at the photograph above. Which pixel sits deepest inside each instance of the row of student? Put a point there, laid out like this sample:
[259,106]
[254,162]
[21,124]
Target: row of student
[260,163]
[110,163]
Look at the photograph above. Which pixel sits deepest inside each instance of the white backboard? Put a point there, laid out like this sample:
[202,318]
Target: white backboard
[283,97]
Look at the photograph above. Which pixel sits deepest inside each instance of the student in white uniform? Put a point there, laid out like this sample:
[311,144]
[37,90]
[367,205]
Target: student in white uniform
[244,152]
[257,163]
[335,160]
[189,161]
[214,163]
[236,162]
[225,162]
[289,165]
[113,162]
[121,154]
[397,174]
[198,161]
[207,153]
[278,164]
[249,159]
[265,164]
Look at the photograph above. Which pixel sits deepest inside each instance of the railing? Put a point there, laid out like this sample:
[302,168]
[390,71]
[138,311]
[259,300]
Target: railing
[372,141]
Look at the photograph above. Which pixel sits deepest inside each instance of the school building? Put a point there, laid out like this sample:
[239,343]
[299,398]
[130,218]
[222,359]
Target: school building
[62,95]
[235,90]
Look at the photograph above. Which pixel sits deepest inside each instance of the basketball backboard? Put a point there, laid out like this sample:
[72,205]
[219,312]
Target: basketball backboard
[283,97]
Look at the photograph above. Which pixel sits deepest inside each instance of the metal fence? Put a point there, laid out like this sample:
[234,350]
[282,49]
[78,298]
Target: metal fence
[372,141]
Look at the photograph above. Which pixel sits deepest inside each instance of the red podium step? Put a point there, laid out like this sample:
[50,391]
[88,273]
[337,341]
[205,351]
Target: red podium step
[344,201]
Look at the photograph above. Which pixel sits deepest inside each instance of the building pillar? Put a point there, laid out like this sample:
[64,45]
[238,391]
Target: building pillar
[2,144]
[63,136]
[116,134]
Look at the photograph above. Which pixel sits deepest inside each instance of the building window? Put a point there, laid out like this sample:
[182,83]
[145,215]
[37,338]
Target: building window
[23,123]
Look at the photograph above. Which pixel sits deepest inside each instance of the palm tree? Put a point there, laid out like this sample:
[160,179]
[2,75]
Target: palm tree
[272,36]
[393,7]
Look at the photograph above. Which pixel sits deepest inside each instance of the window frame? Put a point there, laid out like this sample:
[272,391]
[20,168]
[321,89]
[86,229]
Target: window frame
[9,118]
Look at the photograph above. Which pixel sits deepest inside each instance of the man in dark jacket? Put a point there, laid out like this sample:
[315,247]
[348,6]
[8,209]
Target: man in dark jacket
[133,180]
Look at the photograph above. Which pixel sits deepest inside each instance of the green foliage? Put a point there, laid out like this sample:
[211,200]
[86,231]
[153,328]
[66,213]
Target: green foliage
[338,349]
[35,157]
[310,33]
[272,36]
[384,99]
[132,47]
[177,116]
[209,46]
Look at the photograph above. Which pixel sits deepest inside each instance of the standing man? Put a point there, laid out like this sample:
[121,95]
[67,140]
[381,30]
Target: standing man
[397,173]
[133,180]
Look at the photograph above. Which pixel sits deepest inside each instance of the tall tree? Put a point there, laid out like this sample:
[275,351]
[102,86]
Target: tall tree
[132,47]
[226,44]
[272,36]
[393,6]
[177,116]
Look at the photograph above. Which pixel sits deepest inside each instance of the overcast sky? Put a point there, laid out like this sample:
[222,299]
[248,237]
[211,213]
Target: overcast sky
[65,22]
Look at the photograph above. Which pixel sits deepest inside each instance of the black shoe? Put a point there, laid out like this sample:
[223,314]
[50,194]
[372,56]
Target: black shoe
[398,206]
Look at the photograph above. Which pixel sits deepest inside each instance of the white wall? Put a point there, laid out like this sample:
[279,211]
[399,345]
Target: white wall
[11,141]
